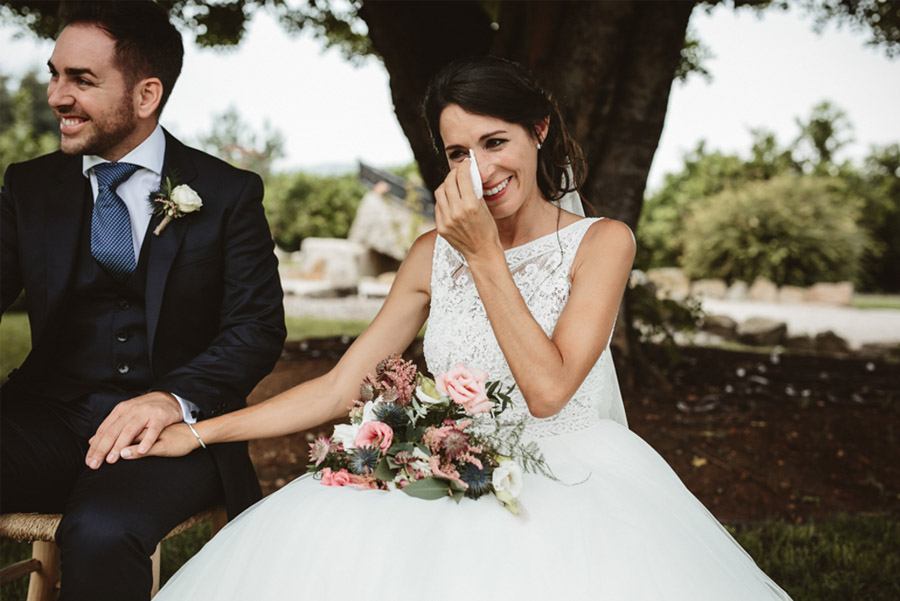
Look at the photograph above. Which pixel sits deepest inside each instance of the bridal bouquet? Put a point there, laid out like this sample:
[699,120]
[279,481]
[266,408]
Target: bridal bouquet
[429,438]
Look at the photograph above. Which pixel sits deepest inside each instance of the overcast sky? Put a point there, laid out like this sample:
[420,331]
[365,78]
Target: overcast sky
[766,72]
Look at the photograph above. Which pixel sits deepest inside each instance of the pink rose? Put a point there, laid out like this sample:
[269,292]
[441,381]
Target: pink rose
[375,434]
[465,386]
[339,478]
[367,482]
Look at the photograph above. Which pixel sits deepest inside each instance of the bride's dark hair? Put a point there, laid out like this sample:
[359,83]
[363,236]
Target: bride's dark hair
[500,88]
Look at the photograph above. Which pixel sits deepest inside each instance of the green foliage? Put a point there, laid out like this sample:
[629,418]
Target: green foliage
[223,24]
[301,205]
[29,127]
[791,229]
[814,153]
[878,184]
[660,231]
[822,136]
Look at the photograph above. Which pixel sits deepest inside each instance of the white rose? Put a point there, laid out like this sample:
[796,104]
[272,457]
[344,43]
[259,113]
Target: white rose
[428,399]
[346,435]
[369,411]
[507,479]
[186,199]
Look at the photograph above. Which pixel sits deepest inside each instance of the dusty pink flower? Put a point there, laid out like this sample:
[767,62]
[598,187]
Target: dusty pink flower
[339,478]
[466,387]
[394,379]
[367,482]
[445,471]
[319,449]
[375,434]
[449,440]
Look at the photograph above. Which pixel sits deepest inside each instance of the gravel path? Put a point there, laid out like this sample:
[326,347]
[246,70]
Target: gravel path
[856,326]
[346,307]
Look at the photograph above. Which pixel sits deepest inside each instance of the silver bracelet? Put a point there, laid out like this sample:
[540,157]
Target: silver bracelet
[197,436]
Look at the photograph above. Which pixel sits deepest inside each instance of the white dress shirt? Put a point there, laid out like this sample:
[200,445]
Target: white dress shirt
[135,192]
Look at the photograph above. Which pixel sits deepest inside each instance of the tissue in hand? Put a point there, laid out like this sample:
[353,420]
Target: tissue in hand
[476,175]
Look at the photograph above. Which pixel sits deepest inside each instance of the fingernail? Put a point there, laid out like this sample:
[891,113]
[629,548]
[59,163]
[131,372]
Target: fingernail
[126,453]
[111,457]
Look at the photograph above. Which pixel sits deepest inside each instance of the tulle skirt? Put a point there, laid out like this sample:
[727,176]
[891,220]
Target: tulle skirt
[618,526]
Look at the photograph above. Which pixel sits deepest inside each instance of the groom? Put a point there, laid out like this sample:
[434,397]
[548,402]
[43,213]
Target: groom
[135,323]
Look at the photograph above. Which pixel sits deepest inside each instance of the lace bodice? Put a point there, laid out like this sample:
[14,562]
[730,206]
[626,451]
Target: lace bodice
[459,330]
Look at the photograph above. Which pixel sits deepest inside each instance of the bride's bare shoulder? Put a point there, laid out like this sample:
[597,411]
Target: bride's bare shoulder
[607,241]
[611,234]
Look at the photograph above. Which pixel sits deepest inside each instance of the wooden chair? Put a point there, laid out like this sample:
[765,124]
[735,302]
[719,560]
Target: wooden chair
[39,529]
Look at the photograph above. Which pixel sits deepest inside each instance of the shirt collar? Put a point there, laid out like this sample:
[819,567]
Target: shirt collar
[149,154]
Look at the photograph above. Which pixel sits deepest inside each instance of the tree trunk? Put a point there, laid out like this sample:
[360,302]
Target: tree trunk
[609,64]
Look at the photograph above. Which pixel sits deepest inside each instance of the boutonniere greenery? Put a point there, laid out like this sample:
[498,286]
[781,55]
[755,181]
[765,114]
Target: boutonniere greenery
[173,202]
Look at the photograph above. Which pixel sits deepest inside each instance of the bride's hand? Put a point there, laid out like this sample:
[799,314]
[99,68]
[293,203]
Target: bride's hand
[462,219]
[175,441]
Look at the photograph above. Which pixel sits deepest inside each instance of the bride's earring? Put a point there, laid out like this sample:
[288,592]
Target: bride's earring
[539,145]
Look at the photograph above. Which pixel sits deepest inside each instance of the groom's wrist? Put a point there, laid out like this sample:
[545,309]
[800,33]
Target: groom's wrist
[177,413]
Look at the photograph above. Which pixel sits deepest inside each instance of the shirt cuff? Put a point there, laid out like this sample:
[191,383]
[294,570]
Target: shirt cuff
[189,411]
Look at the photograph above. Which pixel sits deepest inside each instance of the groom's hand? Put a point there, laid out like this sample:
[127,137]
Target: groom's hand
[141,418]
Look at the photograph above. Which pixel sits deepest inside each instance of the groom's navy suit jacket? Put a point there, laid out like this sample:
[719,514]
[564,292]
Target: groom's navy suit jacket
[212,298]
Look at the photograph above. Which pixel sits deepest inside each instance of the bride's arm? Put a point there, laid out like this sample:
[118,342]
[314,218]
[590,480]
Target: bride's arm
[547,369]
[329,396]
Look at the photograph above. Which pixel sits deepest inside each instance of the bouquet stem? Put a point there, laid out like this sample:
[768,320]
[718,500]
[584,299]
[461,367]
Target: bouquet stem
[162,225]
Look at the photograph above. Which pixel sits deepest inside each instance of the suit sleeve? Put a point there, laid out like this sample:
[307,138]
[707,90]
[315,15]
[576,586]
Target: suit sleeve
[10,269]
[252,331]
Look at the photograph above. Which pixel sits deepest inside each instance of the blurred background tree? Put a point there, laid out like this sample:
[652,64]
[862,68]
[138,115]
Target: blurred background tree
[712,188]
[234,141]
[609,64]
[29,127]
[301,205]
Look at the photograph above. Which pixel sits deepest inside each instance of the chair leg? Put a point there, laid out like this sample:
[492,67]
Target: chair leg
[154,563]
[42,583]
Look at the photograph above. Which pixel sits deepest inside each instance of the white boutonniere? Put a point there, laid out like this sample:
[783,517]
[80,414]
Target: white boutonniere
[173,202]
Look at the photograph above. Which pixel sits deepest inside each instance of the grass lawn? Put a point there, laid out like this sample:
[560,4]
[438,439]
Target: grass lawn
[844,558]
[876,301]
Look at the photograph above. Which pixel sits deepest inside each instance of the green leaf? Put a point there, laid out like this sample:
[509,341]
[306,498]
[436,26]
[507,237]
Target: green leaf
[428,489]
[383,471]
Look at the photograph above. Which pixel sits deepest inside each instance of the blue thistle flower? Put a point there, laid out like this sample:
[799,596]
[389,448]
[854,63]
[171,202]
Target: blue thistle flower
[392,415]
[363,460]
[478,479]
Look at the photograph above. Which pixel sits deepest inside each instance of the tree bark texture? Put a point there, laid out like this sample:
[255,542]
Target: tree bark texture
[610,66]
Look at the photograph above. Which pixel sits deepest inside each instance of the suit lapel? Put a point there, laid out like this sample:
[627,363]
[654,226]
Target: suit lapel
[63,219]
[164,248]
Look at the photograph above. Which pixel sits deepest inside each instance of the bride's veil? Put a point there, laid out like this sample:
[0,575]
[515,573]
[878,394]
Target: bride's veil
[614,409]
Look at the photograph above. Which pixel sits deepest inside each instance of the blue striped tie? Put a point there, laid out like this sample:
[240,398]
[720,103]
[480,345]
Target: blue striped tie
[111,241]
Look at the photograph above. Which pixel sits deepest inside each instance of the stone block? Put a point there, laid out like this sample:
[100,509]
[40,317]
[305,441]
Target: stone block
[839,293]
[830,343]
[339,262]
[670,282]
[763,290]
[720,325]
[803,342]
[791,294]
[762,331]
[737,291]
[709,289]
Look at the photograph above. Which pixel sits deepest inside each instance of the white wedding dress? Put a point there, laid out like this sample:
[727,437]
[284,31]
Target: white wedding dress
[618,525]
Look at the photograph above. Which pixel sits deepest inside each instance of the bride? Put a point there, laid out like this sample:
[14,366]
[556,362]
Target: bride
[514,285]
